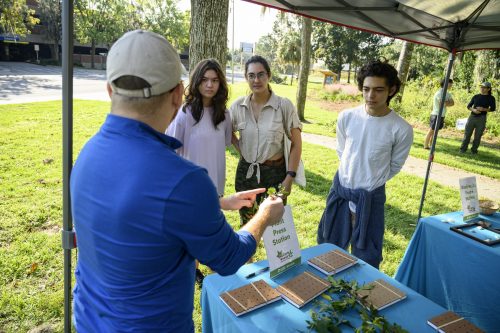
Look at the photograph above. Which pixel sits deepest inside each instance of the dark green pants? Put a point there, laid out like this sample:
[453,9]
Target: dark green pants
[270,176]
[476,125]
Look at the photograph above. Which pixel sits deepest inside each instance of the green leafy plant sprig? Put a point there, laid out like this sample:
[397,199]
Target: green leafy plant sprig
[278,191]
[327,315]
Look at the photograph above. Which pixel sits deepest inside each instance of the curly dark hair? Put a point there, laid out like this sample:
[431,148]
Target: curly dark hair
[194,99]
[383,69]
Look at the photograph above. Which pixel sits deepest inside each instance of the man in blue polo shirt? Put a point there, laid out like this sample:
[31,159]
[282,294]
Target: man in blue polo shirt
[143,214]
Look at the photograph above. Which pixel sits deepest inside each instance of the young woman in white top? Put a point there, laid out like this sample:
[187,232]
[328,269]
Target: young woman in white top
[262,119]
[204,125]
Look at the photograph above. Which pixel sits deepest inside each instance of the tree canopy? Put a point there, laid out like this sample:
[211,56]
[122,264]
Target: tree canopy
[104,21]
[15,17]
[164,18]
[49,12]
[337,45]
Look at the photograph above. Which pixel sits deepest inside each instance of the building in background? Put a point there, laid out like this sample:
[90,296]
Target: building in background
[36,46]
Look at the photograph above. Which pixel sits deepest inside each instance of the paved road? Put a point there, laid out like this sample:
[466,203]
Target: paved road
[23,82]
[487,187]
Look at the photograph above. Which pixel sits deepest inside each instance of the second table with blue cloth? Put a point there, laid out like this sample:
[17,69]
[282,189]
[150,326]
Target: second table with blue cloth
[411,313]
[457,272]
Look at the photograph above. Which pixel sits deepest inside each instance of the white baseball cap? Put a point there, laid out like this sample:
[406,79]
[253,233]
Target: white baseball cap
[148,56]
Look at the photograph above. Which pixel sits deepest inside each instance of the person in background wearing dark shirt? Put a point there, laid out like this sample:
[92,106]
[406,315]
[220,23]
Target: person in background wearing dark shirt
[479,106]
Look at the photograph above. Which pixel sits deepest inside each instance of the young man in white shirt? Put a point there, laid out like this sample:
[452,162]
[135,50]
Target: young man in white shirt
[373,144]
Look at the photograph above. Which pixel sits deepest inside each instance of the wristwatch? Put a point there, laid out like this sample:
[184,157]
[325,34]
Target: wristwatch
[291,173]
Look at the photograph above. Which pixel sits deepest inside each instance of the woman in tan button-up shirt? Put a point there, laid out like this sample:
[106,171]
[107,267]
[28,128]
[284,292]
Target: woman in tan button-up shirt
[262,119]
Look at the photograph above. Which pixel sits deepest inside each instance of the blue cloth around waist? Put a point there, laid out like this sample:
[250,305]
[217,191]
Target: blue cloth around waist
[335,225]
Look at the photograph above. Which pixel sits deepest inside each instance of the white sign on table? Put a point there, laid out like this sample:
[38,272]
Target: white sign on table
[468,194]
[282,244]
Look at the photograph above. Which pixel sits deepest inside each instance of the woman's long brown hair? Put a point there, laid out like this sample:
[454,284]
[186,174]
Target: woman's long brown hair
[194,100]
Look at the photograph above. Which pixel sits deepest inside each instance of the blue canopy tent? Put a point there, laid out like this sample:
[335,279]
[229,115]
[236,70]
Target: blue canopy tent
[454,25]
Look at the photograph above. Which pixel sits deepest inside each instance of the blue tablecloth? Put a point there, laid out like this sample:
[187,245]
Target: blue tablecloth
[412,313]
[456,272]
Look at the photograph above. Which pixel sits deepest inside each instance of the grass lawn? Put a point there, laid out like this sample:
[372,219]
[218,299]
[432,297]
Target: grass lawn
[31,258]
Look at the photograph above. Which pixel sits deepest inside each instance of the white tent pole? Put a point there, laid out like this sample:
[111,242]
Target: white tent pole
[451,59]
[68,238]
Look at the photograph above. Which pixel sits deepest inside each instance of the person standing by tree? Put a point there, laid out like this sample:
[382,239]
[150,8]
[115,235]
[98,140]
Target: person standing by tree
[435,112]
[373,142]
[479,106]
[262,119]
[204,125]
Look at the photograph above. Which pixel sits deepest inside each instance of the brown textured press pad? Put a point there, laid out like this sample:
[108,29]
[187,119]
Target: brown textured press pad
[249,297]
[381,295]
[450,322]
[303,288]
[332,262]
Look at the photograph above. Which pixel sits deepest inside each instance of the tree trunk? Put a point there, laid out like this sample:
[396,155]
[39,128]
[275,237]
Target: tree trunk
[497,65]
[349,74]
[7,52]
[339,68]
[55,51]
[485,66]
[305,64]
[208,32]
[92,54]
[456,64]
[403,67]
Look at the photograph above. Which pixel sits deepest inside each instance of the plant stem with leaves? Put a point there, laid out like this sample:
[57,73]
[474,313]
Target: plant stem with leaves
[328,314]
